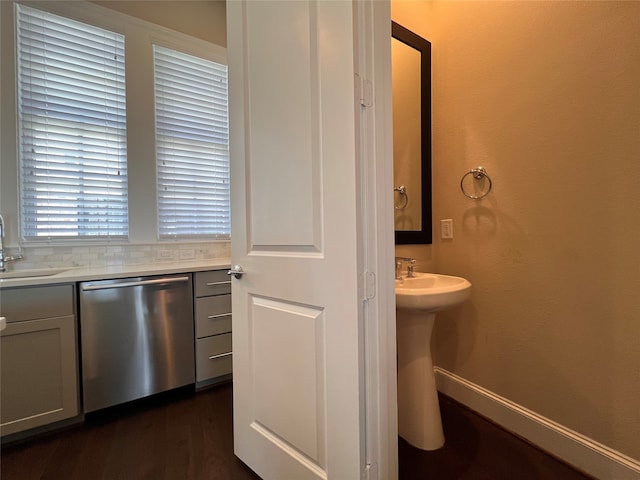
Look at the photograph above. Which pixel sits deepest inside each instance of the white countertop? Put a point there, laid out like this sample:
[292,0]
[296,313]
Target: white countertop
[82,274]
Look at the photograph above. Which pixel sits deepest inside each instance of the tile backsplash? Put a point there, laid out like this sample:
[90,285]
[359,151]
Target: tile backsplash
[110,255]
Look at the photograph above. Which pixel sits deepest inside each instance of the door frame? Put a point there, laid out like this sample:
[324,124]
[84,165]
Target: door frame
[377,246]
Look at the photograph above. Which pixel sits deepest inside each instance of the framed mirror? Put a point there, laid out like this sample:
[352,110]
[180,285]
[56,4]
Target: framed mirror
[411,86]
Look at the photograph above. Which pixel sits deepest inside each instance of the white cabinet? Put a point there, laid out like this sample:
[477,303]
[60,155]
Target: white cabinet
[213,327]
[38,357]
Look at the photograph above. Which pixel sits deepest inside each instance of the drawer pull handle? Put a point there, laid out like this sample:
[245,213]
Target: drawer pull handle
[220,315]
[214,357]
[213,284]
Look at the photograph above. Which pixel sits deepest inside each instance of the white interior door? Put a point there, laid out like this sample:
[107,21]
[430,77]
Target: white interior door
[297,334]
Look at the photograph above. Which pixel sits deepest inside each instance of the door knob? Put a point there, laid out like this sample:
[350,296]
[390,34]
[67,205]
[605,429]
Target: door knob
[236,271]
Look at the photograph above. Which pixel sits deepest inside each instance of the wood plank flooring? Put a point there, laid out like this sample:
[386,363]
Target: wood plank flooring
[179,436]
[477,449]
[189,436]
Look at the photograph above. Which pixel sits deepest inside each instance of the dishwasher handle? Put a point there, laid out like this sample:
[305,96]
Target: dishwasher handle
[139,283]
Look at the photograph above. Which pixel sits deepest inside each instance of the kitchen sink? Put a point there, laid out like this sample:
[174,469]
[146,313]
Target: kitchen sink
[41,272]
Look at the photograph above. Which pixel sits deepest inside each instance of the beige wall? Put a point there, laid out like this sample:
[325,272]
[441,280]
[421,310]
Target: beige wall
[546,96]
[204,19]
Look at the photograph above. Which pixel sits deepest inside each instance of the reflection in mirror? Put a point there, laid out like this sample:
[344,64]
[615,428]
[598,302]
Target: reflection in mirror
[411,84]
[407,139]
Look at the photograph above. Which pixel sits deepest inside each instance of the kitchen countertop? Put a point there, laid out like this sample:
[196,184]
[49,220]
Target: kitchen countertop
[81,274]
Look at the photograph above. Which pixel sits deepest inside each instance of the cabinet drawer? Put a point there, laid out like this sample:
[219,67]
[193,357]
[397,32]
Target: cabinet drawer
[215,282]
[31,303]
[213,357]
[213,315]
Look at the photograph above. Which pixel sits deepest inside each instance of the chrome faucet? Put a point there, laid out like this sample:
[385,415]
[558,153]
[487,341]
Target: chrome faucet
[399,262]
[3,258]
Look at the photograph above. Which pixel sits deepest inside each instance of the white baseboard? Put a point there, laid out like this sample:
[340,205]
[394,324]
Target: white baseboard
[582,452]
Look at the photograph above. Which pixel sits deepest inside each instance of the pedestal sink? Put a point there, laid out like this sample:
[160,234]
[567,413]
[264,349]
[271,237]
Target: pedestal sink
[417,301]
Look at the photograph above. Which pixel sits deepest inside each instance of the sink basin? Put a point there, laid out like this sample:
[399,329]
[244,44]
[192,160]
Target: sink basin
[42,272]
[430,292]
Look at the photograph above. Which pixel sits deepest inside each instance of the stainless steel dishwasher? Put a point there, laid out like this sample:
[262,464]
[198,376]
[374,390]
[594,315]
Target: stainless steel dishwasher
[137,338]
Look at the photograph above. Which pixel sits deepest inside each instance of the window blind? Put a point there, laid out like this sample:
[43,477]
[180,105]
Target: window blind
[192,145]
[72,128]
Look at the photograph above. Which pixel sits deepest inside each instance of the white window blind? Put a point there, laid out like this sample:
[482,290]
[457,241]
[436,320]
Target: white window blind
[71,105]
[192,145]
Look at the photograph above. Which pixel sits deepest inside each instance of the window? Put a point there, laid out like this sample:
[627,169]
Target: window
[93,159]
[72,128]
[192,145]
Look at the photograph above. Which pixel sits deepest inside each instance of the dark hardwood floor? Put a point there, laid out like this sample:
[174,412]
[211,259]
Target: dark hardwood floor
[187,436]
[477,449]
[176,436]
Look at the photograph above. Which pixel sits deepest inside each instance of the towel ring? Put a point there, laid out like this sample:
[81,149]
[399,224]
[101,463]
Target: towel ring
[402,190]
[478,173]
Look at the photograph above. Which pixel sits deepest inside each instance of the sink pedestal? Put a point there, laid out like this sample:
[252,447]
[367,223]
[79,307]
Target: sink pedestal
[419,421]
[418,298]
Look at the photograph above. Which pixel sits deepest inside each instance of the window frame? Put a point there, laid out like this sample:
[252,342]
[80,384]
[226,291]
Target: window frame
[140,36]
[56,127]
[220,191]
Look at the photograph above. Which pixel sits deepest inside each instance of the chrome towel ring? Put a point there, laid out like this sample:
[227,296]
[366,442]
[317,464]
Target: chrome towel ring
[478,173]
[402,190]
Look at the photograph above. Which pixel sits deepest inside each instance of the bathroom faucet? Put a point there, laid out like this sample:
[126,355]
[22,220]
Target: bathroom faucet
[9,258]
[399,262]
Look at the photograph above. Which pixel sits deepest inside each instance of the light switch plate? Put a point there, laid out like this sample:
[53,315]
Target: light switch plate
[446,228]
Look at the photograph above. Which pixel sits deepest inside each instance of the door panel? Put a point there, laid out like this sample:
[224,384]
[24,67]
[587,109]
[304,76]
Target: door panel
[295,368]
[297,326]
[283,95]
[39,373]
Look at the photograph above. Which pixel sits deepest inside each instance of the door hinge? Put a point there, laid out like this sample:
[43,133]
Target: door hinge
[370,472]
[369,285]
[365,92]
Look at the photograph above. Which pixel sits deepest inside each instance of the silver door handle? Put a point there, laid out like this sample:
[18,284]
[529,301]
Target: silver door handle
[236,271]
